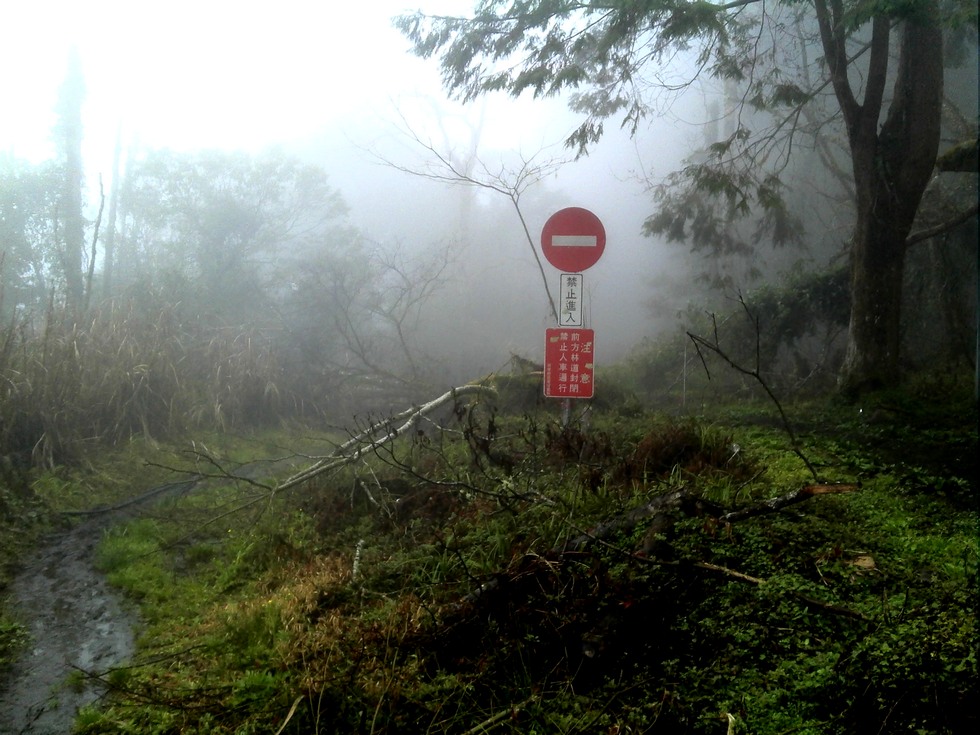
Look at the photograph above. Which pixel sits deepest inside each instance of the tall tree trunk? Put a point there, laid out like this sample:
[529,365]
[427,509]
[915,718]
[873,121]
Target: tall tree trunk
[109,253]
[68,133]
[877,267]
[892,166]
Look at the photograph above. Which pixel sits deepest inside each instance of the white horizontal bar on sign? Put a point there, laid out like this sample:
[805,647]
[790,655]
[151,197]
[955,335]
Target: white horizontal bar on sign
[574,241]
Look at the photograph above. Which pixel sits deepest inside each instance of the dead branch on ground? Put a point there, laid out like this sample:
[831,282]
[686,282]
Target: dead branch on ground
[797,496]
[659,506]
[379,433]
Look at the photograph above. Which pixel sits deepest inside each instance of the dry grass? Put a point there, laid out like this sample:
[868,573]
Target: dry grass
[126,370]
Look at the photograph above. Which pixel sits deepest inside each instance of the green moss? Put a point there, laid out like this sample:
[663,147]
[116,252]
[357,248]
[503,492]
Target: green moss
[476,603]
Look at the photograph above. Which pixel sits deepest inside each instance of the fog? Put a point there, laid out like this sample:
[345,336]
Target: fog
[492,258]
[338,88]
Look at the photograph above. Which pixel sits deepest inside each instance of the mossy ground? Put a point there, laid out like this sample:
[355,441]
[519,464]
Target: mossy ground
[449,583]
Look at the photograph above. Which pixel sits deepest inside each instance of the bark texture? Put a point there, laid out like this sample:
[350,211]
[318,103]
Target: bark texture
[893,161]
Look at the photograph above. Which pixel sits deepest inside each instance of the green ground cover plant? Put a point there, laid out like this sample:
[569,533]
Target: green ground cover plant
[509,575]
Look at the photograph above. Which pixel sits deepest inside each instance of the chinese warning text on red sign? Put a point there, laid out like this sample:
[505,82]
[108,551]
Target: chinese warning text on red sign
[569,363]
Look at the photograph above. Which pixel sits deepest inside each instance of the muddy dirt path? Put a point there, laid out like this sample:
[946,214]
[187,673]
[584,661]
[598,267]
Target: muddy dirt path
[79,627]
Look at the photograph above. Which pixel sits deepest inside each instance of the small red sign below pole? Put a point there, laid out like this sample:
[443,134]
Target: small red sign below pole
[569,363]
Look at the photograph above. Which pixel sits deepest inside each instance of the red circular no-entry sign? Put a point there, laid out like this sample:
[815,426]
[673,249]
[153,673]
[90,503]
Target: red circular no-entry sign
[573,239]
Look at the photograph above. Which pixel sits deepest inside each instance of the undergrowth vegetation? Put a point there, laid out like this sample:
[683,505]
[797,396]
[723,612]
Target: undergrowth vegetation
[71,386]
[507,575]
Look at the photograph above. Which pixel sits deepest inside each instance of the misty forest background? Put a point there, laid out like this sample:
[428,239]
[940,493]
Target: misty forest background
[643,569]
[198,289]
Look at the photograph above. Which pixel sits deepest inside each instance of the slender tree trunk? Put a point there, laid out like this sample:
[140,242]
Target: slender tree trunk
[68,134]
[109,250]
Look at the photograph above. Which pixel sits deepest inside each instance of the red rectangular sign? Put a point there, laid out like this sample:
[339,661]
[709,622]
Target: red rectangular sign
[569,363]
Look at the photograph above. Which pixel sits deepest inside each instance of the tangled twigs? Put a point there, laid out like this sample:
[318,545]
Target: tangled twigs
[625,523]
[714,345]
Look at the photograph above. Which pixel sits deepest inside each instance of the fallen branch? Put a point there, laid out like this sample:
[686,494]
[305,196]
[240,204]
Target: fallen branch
[661,505]
[727,572]
[758,582]
[176,487]
[289,715]
[379,433]
[774,504]
[766,506]
[499,717]
[626,522]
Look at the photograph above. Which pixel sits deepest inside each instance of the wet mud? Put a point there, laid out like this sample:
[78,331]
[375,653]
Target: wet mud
[79,628]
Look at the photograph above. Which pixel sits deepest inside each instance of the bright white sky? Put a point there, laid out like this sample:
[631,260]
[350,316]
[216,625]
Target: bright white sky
[244,75]
[188,74]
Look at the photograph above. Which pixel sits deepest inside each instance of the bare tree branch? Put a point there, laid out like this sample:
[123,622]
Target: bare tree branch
[508,183]
[756,374]
[95,240]
[942,227]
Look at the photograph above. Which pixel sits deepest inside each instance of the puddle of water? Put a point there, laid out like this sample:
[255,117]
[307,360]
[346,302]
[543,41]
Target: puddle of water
[77,623]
